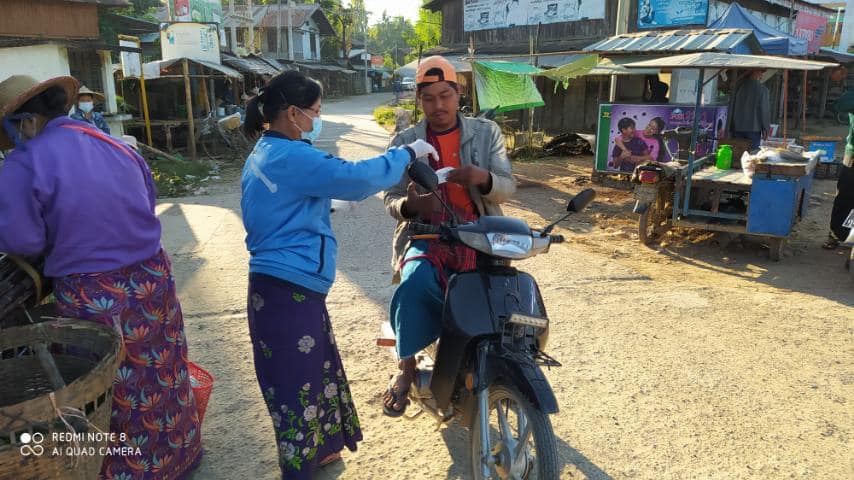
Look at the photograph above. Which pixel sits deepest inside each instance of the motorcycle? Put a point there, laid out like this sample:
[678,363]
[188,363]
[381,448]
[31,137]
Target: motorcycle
[648,202]
[485,369]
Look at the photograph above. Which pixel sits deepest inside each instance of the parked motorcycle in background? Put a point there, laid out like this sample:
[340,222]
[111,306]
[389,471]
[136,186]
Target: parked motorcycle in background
[485,370]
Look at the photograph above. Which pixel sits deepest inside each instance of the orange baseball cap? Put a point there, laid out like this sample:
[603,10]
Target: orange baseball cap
[435,69]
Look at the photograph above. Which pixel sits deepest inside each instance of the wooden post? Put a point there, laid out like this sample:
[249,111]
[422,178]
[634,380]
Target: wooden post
[804,106]
[733,84]
[474,106]
[188,94]
[203,90]
[785,101]
[825,86]
[212,94]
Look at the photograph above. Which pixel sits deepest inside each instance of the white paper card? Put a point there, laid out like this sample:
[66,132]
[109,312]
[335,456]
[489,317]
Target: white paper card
[442,173]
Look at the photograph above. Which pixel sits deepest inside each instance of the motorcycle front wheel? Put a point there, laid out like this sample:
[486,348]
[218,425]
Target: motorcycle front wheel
[521,439]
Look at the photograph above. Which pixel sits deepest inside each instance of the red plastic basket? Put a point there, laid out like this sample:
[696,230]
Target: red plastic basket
[201,382]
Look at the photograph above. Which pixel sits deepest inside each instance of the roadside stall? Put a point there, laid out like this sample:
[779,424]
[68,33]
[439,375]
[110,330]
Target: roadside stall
[765,198]
[182,99]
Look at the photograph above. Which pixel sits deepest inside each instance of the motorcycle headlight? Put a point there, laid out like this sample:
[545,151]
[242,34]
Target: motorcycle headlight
[477,241]
[510,245]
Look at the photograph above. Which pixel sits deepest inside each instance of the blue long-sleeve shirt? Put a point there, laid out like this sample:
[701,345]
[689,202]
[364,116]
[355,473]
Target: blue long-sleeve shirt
[287,188]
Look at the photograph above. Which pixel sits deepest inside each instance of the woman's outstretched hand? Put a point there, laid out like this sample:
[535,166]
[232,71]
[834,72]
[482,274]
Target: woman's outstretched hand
[422,149]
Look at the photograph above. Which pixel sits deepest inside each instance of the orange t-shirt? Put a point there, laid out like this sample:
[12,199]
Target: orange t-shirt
[448,146]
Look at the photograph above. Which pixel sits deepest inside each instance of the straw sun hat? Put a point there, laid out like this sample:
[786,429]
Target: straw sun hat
[84,90]
[18,89]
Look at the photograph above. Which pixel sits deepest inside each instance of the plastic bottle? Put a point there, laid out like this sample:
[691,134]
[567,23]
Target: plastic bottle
[723,159]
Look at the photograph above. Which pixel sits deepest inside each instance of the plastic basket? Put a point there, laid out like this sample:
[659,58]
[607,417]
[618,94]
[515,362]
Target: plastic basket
[201,382]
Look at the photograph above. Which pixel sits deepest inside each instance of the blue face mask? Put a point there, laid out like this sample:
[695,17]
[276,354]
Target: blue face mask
[316,126]
[12,126]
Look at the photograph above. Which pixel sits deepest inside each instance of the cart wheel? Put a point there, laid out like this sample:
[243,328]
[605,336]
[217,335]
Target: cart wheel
[775,248]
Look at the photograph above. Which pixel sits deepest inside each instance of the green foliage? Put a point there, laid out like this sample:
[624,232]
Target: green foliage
[391,37]
[384,114]
[176,179]
[427,32]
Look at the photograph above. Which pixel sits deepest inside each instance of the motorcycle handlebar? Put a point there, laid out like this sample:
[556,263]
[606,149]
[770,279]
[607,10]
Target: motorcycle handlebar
[423,229]
[556,239]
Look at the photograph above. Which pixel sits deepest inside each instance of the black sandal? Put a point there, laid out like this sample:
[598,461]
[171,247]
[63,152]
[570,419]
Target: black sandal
[395,397]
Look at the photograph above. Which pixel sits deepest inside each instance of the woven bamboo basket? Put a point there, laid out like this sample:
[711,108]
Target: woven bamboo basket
[87,355]
[21,286]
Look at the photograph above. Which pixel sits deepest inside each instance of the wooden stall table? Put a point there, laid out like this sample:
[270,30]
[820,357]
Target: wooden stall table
[166,125]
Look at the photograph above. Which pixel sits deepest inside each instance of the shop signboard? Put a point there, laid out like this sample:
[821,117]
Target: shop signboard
[672,13]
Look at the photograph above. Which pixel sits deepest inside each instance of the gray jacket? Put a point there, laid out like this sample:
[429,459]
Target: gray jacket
[752,110]
[482,145]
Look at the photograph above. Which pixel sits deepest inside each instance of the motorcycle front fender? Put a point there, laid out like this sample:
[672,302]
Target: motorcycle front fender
[640,207]
[526,376]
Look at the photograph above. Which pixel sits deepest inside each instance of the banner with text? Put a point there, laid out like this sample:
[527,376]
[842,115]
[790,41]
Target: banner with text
[489,14]
[672,13]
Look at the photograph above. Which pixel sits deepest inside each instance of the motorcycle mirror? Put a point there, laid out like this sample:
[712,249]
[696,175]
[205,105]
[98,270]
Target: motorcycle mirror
[423,176]
[580,201]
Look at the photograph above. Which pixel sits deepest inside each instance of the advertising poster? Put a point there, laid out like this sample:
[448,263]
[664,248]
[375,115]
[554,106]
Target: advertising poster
[671,13]
[196,10]
[191,40]
[131,61]
[811,28]
[629,132]
[489,14]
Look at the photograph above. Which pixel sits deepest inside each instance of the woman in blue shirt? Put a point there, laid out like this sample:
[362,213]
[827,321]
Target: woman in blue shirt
[288,185]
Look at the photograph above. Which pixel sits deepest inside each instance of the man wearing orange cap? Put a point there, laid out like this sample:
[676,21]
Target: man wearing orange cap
[479,182]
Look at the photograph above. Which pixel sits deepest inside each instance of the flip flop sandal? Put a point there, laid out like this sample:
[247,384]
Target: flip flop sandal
[331,458]
[830,244]
[395,396]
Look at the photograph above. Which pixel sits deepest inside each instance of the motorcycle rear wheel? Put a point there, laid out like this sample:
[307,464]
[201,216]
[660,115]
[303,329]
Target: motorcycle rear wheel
[511,415]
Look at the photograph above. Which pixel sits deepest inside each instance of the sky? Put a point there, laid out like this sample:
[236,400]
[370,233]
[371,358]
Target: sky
[394,8]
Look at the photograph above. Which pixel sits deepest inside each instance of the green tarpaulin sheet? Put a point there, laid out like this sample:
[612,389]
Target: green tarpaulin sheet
[506,86]
[563,74]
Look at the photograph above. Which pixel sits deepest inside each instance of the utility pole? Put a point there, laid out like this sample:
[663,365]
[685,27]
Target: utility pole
[251,40]
[233,33]
[365,36]
[847,37]
[279,28]
[290,33]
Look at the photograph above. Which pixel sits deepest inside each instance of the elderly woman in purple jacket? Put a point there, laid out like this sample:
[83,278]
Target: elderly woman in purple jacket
[85,201]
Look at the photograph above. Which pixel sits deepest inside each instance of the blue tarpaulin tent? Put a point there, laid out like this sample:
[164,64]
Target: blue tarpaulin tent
[773,41]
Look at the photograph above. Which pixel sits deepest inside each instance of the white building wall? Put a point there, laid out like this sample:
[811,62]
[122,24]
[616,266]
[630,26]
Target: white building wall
[39,61]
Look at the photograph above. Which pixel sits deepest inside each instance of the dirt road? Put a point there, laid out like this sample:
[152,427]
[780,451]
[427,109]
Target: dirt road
[687,360]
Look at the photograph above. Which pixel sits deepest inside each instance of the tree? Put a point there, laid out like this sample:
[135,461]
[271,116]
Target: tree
[427,32]
[390,37]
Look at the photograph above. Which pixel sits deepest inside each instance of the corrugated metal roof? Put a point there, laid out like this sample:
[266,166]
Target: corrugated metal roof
[682,41]
[251,64]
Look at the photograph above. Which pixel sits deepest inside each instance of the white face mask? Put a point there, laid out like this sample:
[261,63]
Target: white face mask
[316,126]
[86,107]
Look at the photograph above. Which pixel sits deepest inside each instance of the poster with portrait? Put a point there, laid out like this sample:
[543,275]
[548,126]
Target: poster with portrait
[489,14]
[671,13]
[630,134]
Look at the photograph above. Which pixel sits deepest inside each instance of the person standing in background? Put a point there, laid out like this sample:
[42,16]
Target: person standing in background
[84,110]
[751,117]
